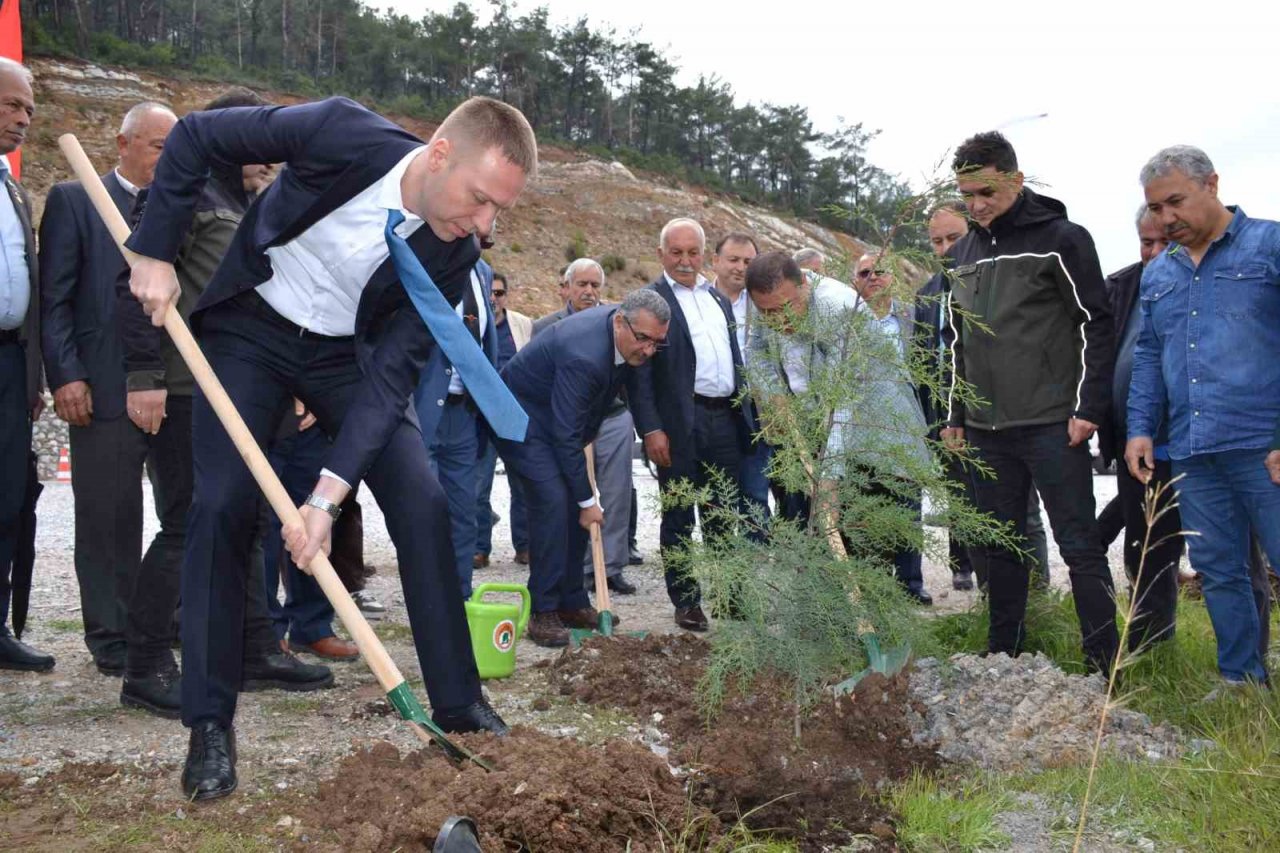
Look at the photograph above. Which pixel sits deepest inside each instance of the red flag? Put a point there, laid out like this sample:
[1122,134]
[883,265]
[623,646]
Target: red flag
[11,48]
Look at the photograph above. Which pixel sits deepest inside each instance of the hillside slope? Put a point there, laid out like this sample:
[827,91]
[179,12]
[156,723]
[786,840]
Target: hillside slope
[575,199]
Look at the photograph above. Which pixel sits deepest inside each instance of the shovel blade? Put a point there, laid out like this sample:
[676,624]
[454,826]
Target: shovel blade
[410,709]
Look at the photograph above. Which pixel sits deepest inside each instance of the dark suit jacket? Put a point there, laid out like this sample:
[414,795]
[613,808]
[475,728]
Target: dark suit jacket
[79,265]
[566,380]
[333,150]
[543,323]
[1122,289]
[660,392]
[30,335]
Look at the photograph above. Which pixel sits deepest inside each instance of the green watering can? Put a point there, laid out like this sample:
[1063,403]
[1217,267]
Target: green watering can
[495,627]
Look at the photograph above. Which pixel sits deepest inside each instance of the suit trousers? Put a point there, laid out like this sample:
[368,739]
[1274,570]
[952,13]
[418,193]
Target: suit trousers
[518,513]
[613,446]
[453,453]
[261,362]
[306,616]
[715,451]
[556,545]
[1020,459]
[965,560]
[107,461]
[15,444]
[1157,586]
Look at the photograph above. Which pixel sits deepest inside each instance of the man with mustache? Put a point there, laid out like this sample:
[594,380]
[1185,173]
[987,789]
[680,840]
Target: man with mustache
[1207,368]
[686,401]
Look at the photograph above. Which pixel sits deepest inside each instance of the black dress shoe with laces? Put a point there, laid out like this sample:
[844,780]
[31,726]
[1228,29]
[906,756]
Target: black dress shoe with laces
[15,654]
[159,692]
[620,585]
[110,662]
[692,618]
[210,771]
[634,557]
[476,717]
[283,671]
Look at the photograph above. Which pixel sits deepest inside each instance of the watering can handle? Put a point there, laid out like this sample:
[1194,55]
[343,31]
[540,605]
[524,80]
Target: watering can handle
[526,603]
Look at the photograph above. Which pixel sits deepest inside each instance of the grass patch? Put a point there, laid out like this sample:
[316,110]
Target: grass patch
[66,626]
[1221,800]
[949,820]
[393,632]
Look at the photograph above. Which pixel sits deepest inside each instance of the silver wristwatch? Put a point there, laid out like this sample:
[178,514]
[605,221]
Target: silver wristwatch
[324,504]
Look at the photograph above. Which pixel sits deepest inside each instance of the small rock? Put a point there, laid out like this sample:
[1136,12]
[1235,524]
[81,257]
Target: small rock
[541,704]
[282,785]
[657,717]
[284,823]
[520,788]
[180,814]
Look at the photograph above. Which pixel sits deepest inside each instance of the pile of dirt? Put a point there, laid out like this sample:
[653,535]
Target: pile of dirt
[819,790]
[545,793]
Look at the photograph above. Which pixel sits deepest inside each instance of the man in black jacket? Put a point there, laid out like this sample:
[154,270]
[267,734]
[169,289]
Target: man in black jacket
[109,423]
[1030,331]
[685,399]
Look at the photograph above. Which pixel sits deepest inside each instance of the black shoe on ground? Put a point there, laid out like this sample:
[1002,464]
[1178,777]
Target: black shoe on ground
[620,585]
[210,771]
[284,671]
[962,581]
[919,596]
[634,557]
[110,662]
[692,618]
[17,655]
[479,716]
[159,692]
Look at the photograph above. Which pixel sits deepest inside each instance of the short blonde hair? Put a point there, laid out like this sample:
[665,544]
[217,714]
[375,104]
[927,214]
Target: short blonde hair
[486,123]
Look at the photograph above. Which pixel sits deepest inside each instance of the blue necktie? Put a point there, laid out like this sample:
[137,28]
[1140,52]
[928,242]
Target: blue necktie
[486,388]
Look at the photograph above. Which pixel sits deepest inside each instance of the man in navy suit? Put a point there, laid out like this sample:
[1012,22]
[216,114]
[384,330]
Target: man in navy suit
[686,400]
[451,428]
[20,377]
[567,379]
[308,302]
[109,420]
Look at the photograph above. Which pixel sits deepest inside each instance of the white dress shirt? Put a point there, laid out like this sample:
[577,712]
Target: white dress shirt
[617,360]
[15,278]
[317,277]
[130,188]
[455,381]
[741,306]
[709,332]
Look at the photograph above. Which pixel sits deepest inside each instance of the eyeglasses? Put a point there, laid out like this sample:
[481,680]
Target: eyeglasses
[642,339]
[869,273]
[499,293]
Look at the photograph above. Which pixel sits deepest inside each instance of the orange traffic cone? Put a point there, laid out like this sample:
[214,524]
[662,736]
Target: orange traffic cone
[64,466]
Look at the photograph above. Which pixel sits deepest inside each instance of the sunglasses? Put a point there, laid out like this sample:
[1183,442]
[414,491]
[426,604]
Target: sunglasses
[499,293]
[869,273]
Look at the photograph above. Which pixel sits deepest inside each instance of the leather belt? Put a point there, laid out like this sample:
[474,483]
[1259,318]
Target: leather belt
[253,302]
[713,402]
[10,336]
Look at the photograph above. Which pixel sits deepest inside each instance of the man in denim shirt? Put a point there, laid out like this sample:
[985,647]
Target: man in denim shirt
[1208,361]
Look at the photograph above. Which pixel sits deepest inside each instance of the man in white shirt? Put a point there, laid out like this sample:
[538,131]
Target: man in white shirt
[337,289]
[729,261]
[685,400]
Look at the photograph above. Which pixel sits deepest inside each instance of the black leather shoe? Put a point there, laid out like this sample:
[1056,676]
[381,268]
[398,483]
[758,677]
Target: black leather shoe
[210,771]
[15,654]
[919,596]
[283,671]
[110,662]
[692,618]
[476,717]
[158,692]
[634,557]
[962,581]
[620,585]
[457,835]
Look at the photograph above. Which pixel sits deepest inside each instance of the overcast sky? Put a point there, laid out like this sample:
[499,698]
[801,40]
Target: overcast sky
[1117,84]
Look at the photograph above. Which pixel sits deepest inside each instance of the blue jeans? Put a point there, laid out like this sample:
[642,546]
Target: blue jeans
[519,515]
[1220,496]
[754,488]
[452,453]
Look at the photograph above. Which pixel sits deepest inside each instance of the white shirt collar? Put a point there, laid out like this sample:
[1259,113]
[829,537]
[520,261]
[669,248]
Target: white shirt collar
[389,195]
[617,356]
[124,182]
[700,284]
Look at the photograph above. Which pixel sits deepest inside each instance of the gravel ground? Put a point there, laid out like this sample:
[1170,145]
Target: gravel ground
[74,714]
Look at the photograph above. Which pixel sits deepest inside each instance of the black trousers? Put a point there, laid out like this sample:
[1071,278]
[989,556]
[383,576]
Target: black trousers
[261,363]
[556,545]
[1019,457]
[154,595]
[716,447]
[15,445]
[1156,590]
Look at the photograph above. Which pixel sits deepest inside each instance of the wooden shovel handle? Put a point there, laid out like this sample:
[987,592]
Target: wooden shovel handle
[597,542]
[375,654]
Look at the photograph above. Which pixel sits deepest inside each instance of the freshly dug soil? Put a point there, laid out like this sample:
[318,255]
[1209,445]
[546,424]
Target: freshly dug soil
[819,790]
[546,793]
